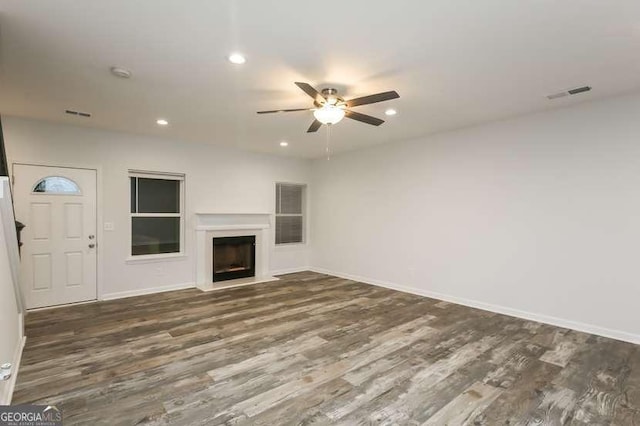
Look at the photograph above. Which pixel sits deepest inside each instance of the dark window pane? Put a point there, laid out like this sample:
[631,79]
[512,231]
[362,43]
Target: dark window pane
[133,194]
[155,235]
[288,229]
[289,199]
[158,196]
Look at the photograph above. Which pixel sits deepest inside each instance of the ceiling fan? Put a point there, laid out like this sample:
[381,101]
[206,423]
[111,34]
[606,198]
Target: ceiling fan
[331,108]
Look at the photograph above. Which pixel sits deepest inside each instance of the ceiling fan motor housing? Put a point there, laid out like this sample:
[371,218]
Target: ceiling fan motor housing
[331,96]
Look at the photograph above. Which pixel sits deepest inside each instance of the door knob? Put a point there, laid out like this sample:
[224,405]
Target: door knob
[91,237]
[92,245]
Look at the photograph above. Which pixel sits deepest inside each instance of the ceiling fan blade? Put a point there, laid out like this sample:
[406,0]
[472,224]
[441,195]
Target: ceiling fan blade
[309,90]
[372,99]
[284,110]
[363,118]
[314,126]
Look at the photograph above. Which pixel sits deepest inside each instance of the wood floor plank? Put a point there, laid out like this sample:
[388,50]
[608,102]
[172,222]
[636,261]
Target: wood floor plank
[522,397]
[315,349]
[466,406]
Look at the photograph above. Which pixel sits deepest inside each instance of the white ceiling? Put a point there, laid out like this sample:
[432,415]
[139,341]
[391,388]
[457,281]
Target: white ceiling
[454,62]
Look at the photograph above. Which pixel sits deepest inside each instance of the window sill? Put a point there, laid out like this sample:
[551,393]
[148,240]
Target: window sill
[153,258]
[290,246]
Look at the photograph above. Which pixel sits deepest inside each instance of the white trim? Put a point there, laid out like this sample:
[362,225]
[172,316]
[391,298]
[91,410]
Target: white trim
[44,164]
[222,214]
[290,270]
[146,174]
[7,395]
[289,246]
[153,258]
[240,282]
[144,291]
[63,305]
[229,227]
[546,319]
[156,215]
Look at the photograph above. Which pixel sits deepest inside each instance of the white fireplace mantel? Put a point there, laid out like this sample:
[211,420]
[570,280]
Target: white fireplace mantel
[214,225]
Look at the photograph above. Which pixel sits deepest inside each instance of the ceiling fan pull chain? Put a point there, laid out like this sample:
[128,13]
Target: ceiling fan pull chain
[328,151]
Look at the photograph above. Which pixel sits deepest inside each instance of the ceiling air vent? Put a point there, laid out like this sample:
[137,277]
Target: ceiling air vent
[569,92]
[79,113]
[579,90]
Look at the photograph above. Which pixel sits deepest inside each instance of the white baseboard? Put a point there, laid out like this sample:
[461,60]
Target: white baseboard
[546,319]
[240,282]
[290,270]
[7,394]
[143,291]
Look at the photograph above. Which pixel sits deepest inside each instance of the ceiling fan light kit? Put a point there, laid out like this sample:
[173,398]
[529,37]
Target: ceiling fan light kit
[329,108]
[329,114]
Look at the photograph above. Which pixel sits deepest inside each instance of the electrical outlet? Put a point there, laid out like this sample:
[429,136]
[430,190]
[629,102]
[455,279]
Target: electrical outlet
[108,226]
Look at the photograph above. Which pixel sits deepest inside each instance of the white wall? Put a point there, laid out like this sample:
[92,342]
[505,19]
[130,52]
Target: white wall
[537,216]
[217,180]
[10,316]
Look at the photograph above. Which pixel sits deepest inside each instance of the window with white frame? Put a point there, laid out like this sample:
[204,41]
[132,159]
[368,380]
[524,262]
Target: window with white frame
[290,207]
[157,213]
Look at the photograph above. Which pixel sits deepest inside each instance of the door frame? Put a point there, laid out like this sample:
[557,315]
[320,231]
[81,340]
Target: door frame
[99,214]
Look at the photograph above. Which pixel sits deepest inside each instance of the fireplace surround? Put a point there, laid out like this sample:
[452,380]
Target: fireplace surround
[222,225]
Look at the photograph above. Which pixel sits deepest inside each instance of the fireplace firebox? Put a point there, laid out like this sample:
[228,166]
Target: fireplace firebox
[234,257]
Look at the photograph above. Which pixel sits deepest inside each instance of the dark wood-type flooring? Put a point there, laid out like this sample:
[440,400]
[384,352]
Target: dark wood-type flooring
[315,349]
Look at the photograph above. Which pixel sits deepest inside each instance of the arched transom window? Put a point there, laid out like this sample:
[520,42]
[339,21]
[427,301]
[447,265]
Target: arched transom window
[56,185]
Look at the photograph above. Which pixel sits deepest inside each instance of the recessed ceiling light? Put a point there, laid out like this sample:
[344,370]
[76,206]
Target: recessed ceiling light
[284,143]
[237,58]
[391,111]
[120,72]
[162,122]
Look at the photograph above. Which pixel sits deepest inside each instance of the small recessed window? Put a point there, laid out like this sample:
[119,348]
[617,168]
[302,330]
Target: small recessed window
[290,208]
[56,185]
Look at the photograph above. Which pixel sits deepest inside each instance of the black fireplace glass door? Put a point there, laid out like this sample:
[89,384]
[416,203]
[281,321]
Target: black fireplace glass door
[233,257]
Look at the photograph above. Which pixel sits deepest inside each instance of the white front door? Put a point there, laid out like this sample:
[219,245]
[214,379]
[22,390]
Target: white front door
[58,256]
